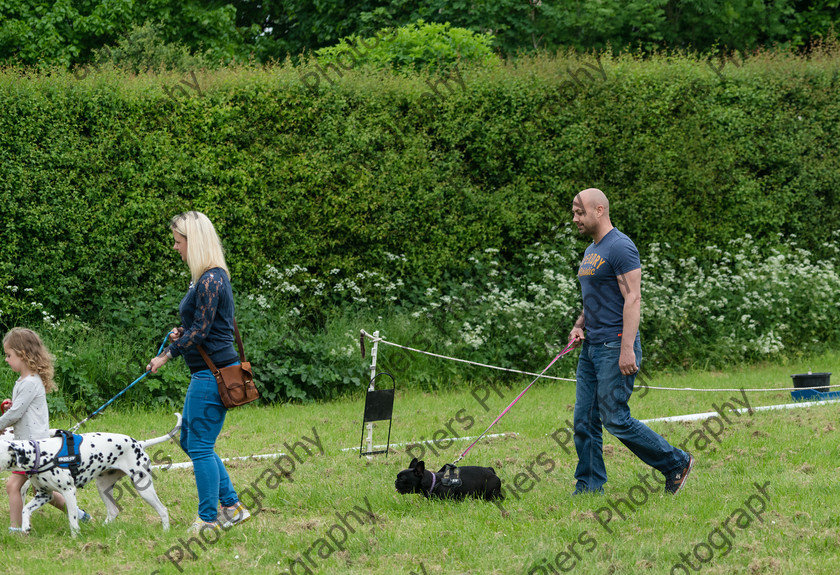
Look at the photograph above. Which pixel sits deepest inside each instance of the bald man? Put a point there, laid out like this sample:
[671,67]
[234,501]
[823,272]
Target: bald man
[611,351]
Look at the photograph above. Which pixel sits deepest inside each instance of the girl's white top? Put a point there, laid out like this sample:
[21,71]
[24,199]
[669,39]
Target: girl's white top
[29,414]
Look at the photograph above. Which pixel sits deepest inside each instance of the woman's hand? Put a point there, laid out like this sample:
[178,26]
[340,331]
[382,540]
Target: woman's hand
[176,333]
[157,362]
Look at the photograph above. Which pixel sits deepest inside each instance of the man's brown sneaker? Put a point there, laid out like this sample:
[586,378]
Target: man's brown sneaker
[674,483]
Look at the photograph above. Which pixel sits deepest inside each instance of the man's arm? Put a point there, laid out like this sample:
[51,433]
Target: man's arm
[577,332]
[630,285]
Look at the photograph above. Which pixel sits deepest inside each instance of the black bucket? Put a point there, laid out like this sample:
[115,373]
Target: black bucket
[812,380]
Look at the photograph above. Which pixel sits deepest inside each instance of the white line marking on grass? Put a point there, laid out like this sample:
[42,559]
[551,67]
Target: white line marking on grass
[708,414]
[188,464]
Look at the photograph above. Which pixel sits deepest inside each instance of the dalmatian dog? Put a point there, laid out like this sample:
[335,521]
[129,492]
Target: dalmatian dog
[106,457]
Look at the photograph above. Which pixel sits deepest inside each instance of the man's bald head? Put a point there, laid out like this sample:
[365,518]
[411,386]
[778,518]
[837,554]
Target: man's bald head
[591,210]
[591,198]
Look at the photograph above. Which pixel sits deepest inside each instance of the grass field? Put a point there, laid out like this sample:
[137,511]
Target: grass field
[763,497]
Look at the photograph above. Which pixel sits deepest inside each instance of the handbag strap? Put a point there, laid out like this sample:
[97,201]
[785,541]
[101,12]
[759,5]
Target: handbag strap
[238,342]
[207,359]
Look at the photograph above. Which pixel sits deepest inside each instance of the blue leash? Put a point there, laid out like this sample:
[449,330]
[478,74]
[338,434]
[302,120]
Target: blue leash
[110,401]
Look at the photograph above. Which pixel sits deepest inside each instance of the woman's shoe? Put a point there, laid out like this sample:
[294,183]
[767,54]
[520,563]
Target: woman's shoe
[234,515]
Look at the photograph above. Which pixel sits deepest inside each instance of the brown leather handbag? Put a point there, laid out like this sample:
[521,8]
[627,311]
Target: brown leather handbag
[236,382]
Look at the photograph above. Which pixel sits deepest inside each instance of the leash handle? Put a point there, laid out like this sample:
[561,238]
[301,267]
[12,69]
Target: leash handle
[132,384]
[567,349]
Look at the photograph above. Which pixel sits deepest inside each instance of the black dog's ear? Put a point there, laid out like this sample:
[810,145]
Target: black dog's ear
[413,463]
[419,469]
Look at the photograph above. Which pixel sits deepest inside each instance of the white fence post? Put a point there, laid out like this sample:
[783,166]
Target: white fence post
[370,387]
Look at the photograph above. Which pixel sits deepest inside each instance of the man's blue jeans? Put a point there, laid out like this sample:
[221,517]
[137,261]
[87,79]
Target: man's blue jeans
[204,415]
[601,397]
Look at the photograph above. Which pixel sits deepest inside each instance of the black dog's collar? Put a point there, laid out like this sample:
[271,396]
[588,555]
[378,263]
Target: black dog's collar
[434,480]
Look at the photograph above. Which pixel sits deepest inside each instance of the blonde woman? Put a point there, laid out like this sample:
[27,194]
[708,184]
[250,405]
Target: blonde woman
[207,320]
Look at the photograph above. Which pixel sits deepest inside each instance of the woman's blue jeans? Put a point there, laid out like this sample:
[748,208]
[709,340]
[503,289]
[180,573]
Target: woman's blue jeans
[204,416]
[601,397]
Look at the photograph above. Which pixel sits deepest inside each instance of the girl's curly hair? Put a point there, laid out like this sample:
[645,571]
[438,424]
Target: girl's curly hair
[28,345]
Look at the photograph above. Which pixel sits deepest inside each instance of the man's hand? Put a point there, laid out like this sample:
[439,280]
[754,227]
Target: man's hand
[627,361]
[576,336]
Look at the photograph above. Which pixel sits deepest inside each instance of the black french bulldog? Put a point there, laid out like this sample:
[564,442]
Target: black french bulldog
[450,482]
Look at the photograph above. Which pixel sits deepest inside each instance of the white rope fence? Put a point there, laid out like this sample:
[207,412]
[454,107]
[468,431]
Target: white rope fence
[386,342]
[382,340]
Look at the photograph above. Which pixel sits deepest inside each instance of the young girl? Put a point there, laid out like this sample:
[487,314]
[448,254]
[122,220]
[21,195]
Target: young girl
[27,355]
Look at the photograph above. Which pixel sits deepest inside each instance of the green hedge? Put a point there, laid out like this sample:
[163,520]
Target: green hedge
[351,171]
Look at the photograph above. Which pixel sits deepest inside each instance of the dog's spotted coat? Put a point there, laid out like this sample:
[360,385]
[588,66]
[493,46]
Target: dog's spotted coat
[106,457]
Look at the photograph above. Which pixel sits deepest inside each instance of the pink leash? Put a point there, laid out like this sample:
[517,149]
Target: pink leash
[518,397]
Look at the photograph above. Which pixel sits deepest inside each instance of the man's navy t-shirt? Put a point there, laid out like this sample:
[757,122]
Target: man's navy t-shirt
[603,304]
